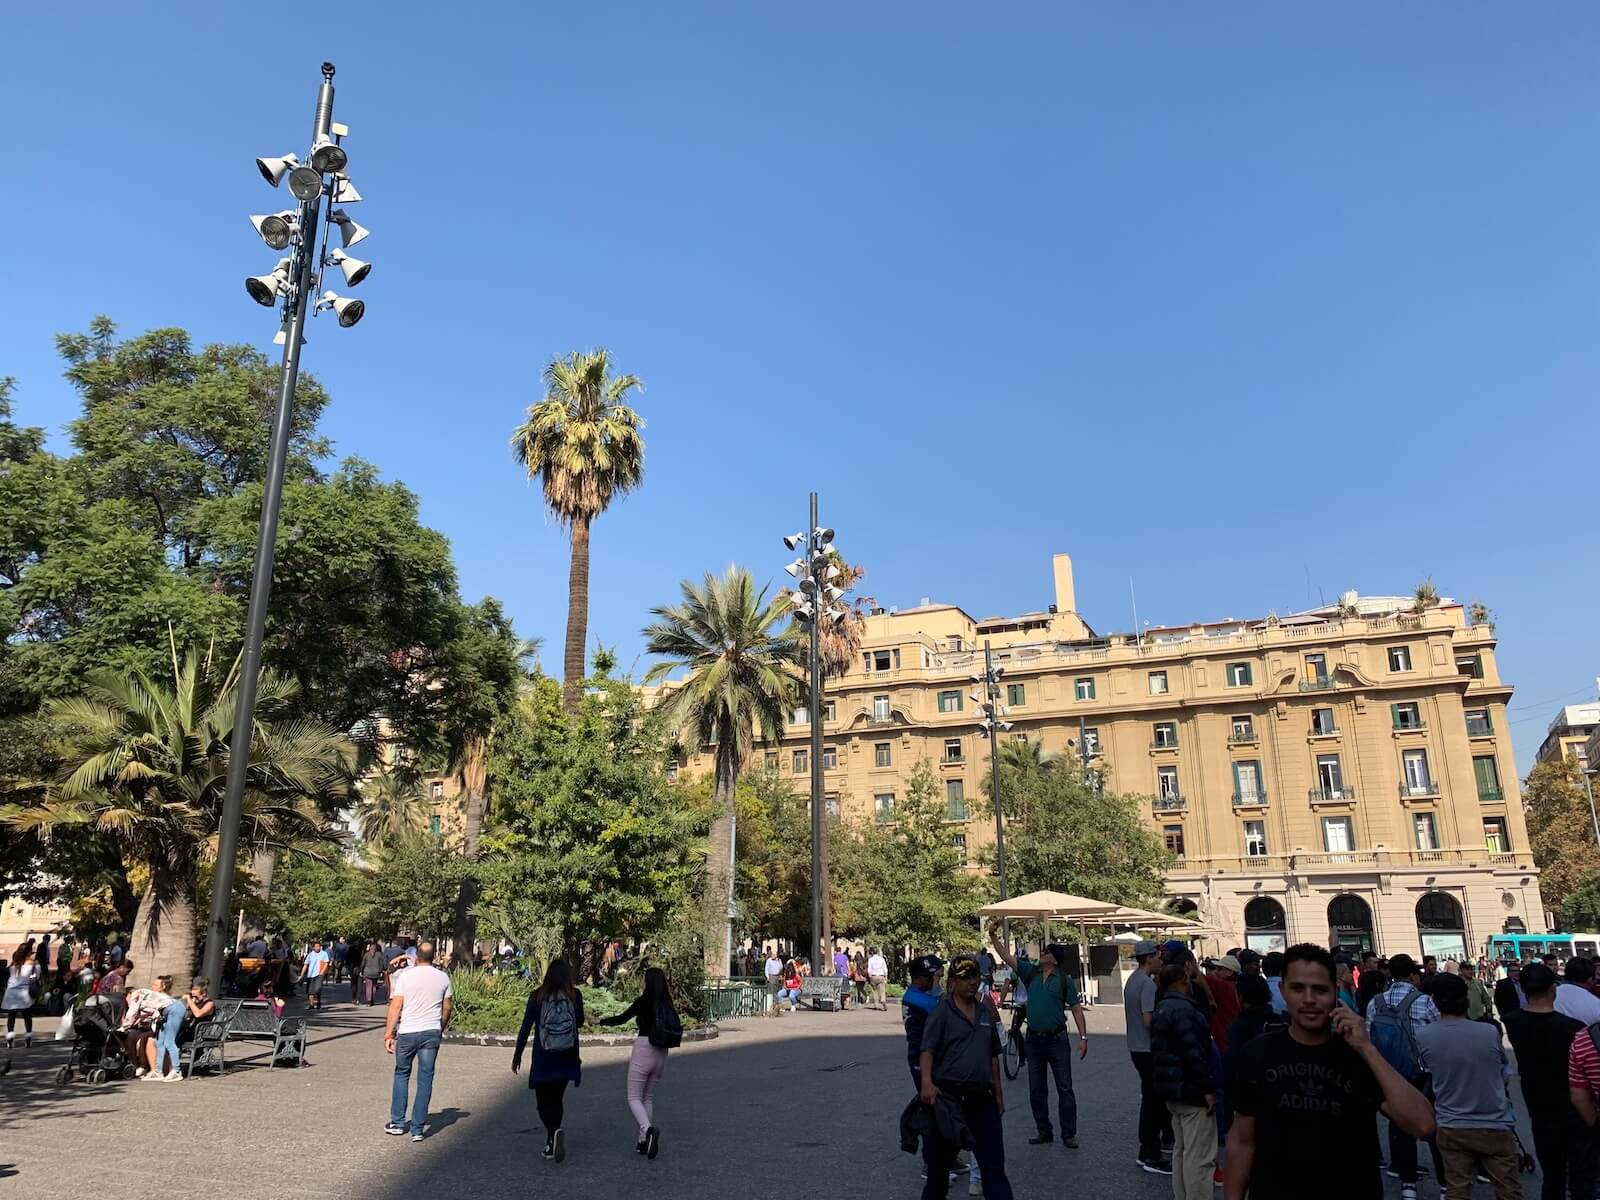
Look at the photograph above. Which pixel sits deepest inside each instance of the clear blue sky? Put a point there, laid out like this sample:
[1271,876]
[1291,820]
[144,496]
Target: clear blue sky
[1253,303]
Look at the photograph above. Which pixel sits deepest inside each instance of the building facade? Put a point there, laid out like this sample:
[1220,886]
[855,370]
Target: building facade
[1343,775]
[1569,734]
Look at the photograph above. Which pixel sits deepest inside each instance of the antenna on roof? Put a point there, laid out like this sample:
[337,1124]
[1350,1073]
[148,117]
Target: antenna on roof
[1135,600]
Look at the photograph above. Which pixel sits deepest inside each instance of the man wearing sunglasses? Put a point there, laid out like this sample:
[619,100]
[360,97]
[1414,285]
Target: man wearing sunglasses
[961,1059]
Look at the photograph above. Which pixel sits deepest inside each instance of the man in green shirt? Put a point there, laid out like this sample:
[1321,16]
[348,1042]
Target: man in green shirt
[1052,993]
[1480,1005]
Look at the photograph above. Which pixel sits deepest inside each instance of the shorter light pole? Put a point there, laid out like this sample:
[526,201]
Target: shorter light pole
[991,719]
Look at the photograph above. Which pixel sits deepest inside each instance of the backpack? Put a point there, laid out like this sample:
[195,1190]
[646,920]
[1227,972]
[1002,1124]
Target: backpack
[668,1032]
[558,1024]
[1394,1036]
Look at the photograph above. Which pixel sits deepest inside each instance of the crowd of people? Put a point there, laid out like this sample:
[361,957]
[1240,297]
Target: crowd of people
[1267,1073]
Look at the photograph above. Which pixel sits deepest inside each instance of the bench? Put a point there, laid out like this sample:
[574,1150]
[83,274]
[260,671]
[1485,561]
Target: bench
[824,992]
[248,1019]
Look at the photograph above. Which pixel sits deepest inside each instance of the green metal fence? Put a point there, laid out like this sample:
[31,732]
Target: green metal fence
[726,999]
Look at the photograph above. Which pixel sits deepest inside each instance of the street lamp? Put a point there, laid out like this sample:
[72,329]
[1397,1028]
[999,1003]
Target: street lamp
[815,603]
[298,280]
[991,720]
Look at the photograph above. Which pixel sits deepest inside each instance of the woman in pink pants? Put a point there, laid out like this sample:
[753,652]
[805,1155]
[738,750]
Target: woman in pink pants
[659,1031]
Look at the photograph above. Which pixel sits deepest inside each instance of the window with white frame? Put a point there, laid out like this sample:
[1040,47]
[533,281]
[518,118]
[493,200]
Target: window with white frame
[883,806]
[800,761]
[1164,734]
[1399,658]
[1167,782]
[880,708]
[1426,831]
[952,750]
[1158,683]
[830,758]
[1337,837]
[1084,688]
[1418,778]
[883,754]
[1239,674]
[1255,839]
[950,701]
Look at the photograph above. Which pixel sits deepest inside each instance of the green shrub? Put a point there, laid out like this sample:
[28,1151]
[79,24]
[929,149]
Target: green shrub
[486,1002]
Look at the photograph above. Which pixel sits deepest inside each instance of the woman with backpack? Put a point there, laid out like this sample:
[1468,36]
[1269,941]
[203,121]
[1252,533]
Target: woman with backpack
[555,1010]
[660,1030]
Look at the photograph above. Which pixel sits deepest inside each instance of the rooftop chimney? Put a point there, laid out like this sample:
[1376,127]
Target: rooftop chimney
[1066,597]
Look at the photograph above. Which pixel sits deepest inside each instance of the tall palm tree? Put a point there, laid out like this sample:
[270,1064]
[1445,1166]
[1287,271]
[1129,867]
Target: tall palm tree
[146,760]
[582,443]
[744,673]
[392,808]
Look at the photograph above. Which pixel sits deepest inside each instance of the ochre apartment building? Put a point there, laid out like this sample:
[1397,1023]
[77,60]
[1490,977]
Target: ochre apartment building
[1342,775]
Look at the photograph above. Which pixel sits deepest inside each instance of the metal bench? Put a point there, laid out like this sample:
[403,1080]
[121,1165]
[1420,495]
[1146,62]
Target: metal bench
[254,1019]
[825,992]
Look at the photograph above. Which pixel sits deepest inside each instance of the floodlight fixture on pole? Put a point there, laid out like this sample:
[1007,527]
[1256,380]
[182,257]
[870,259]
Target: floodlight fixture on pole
[297,279]
[812,605]
[993,726]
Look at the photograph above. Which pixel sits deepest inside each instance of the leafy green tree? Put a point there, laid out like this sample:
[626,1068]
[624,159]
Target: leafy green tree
[145,760]
[743,673]
[589,844]
[412,889]
[774,857]
[1065,832]
[903,883]
[1560,830]
[1580,908]
[582,443]
[314,898]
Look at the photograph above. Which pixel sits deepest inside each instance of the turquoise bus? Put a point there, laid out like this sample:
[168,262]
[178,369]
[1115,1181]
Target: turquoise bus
[1520,947]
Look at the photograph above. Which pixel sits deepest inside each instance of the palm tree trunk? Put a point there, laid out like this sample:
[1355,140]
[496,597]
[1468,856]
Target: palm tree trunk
[263,865]
[463,948]
[163,933]
[572,671]
[719,865]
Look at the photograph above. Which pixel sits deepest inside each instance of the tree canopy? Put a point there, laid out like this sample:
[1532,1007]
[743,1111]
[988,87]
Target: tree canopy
[1561,832]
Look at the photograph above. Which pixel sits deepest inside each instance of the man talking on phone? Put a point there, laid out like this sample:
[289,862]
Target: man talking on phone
[1306,1097]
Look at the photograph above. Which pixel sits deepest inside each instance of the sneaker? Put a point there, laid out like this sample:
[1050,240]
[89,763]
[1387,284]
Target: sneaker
[138,1072]
[548,1151]
[1070,1143]
[1217,1177]
[640,1146]
[420,1132]
[558,1147]
[173,1076]
[1408,1191]
[1041,1138]
[974,1187]
[652,1142]
[150,1077]
[1481,1177]
[393,1128]
[1156,1166]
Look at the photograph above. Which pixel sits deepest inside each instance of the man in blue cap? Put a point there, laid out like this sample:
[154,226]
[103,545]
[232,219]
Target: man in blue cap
[918,1001]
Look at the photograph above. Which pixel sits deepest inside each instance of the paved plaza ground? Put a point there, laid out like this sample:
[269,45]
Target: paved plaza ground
[796,1106]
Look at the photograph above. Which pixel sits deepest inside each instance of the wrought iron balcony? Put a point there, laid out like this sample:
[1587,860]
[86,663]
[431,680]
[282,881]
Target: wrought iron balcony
[1250,799]
[1322,683]
[1171,802]
[1418,791]
[1490,795]
[1243,737]
[1321,795]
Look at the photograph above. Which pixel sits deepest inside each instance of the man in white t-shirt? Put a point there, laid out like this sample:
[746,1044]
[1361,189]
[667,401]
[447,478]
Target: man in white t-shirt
[878,977]
[419,1010]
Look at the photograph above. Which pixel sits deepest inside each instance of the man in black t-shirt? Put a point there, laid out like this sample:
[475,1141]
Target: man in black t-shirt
[1542,1038]
[1303,1111]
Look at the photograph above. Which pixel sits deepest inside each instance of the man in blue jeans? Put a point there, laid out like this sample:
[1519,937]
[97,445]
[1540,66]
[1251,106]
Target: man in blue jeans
[1052,994]
[419,1009]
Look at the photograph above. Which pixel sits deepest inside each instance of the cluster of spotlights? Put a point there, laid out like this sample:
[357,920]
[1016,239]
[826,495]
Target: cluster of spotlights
[816,593]
[322,174]
[991,713]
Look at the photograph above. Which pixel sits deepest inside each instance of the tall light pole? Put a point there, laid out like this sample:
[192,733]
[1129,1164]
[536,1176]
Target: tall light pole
[991,718]
[296,280]
[816,602]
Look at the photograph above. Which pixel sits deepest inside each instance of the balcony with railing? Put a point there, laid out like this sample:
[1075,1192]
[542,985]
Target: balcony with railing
[1243,737]
[1318,683]
[1164,744]
[1409,725]
[1426,789]
[1491,795]
[1169,802]
[1337,858]
[1257,799]
[1318,732]
[1331,795]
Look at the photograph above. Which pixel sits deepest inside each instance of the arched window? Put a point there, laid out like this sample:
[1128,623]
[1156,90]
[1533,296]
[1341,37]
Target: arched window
[1441,926]
[1350,924]
[1265,926]
[1185,907]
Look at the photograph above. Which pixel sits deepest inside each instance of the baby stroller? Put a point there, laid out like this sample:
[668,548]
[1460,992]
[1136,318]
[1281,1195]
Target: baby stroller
[99,1048]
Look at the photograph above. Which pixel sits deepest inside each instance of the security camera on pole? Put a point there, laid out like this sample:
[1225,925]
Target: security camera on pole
[991,719]
[815,603]
[297,281]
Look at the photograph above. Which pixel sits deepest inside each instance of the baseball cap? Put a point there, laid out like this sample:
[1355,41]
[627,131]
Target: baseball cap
[1227,962]
[1246,957]
[1140,949]
[928,964]
[964,967]
[1173,944]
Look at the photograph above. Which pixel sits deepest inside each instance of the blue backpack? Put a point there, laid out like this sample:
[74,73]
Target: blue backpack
[1394,1035]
